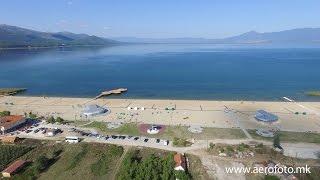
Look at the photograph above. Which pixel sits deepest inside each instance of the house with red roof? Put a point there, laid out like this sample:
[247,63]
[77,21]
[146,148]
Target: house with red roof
[180,162]
[10,122]
[13,168]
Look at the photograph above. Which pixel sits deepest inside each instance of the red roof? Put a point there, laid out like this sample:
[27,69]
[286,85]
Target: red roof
[14,166]
[180,160]
[6,121]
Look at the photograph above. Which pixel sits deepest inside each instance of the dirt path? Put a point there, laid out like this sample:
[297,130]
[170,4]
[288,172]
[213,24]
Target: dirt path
[125,150]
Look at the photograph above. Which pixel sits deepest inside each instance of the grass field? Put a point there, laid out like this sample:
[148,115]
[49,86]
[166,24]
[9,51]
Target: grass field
[74,161]
[85,161]
[171,131]
[286,136]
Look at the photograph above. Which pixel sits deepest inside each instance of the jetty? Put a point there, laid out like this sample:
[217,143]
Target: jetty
[11,91]
[114,91]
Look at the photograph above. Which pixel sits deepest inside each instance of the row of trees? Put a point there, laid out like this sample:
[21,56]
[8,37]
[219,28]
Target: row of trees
[151,167]
[53,120]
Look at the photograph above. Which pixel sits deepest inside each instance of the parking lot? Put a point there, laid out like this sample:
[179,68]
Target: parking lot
[43,130]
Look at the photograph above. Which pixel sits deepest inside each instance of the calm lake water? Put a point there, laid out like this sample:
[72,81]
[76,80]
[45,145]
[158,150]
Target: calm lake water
[166,71]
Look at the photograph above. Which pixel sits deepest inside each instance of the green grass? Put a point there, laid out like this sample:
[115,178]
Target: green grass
[313,93]
[102,166]
[129,129]
[171,131]
[98,162]
[180,142]
[286,136]
[74,161]
[196,169]
[78,157]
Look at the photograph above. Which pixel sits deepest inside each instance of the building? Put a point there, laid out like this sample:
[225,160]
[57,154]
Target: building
[8,123]
[180,162]
[264,116]
[93,110]
[13,168]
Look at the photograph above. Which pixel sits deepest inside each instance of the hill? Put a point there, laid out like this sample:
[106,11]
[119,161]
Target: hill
[16,37]
[302,35]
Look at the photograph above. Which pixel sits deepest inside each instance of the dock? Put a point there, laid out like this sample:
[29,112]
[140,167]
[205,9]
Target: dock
[114,91]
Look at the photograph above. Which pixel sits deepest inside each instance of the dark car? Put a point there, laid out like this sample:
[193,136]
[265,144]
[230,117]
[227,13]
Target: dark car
[28,131]
[122,137]
[158,141]
[136,138]
[36,131]
[146,140]
[106,138]
[114,137]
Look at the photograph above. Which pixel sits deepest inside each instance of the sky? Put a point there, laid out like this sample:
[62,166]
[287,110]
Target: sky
[161,18]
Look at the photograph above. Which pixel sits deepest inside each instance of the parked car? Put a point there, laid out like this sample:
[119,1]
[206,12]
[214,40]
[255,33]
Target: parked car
[166,142]
[136,138]
[146,140]
[157,140]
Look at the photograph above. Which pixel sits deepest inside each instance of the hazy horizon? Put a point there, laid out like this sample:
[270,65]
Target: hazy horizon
[165,19]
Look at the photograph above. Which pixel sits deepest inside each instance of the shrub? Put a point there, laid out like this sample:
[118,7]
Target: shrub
[5,113]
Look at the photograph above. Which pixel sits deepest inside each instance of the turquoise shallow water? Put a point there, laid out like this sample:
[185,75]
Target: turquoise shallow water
[219,72]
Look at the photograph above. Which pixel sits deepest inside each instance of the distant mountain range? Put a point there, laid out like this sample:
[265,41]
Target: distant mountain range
[303,35]
[16,37]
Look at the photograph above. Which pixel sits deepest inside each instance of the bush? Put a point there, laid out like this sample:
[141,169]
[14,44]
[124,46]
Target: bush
[150,167]
[51,120]
[179,142]
[41,163]
[5,113]
[32,116]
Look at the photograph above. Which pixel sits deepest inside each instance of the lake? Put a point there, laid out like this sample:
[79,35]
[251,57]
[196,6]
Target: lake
[196,71]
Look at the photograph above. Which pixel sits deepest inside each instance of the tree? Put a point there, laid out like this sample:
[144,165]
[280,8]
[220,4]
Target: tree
[60,120]
[41,163]
[5,113]
[32,116]
[51,120]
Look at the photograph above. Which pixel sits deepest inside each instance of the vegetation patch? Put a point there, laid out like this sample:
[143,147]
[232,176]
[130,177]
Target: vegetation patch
[102,165]
[180,142]
[129,128]
[78,157]
[9,153]
[4,113]
[152,166]
[171,131]
[287,136]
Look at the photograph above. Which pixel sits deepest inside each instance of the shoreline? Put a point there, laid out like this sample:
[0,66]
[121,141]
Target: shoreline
[119,97]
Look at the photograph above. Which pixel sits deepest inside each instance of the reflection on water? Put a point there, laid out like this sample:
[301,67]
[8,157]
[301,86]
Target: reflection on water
[194,71]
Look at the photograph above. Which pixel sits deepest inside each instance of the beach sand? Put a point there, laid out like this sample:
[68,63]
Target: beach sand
[221,114]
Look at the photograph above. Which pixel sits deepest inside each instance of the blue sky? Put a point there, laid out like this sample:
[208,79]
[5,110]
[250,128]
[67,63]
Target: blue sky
[161,18]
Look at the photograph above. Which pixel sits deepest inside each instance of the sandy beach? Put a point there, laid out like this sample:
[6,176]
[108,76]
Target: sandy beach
[221,114]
